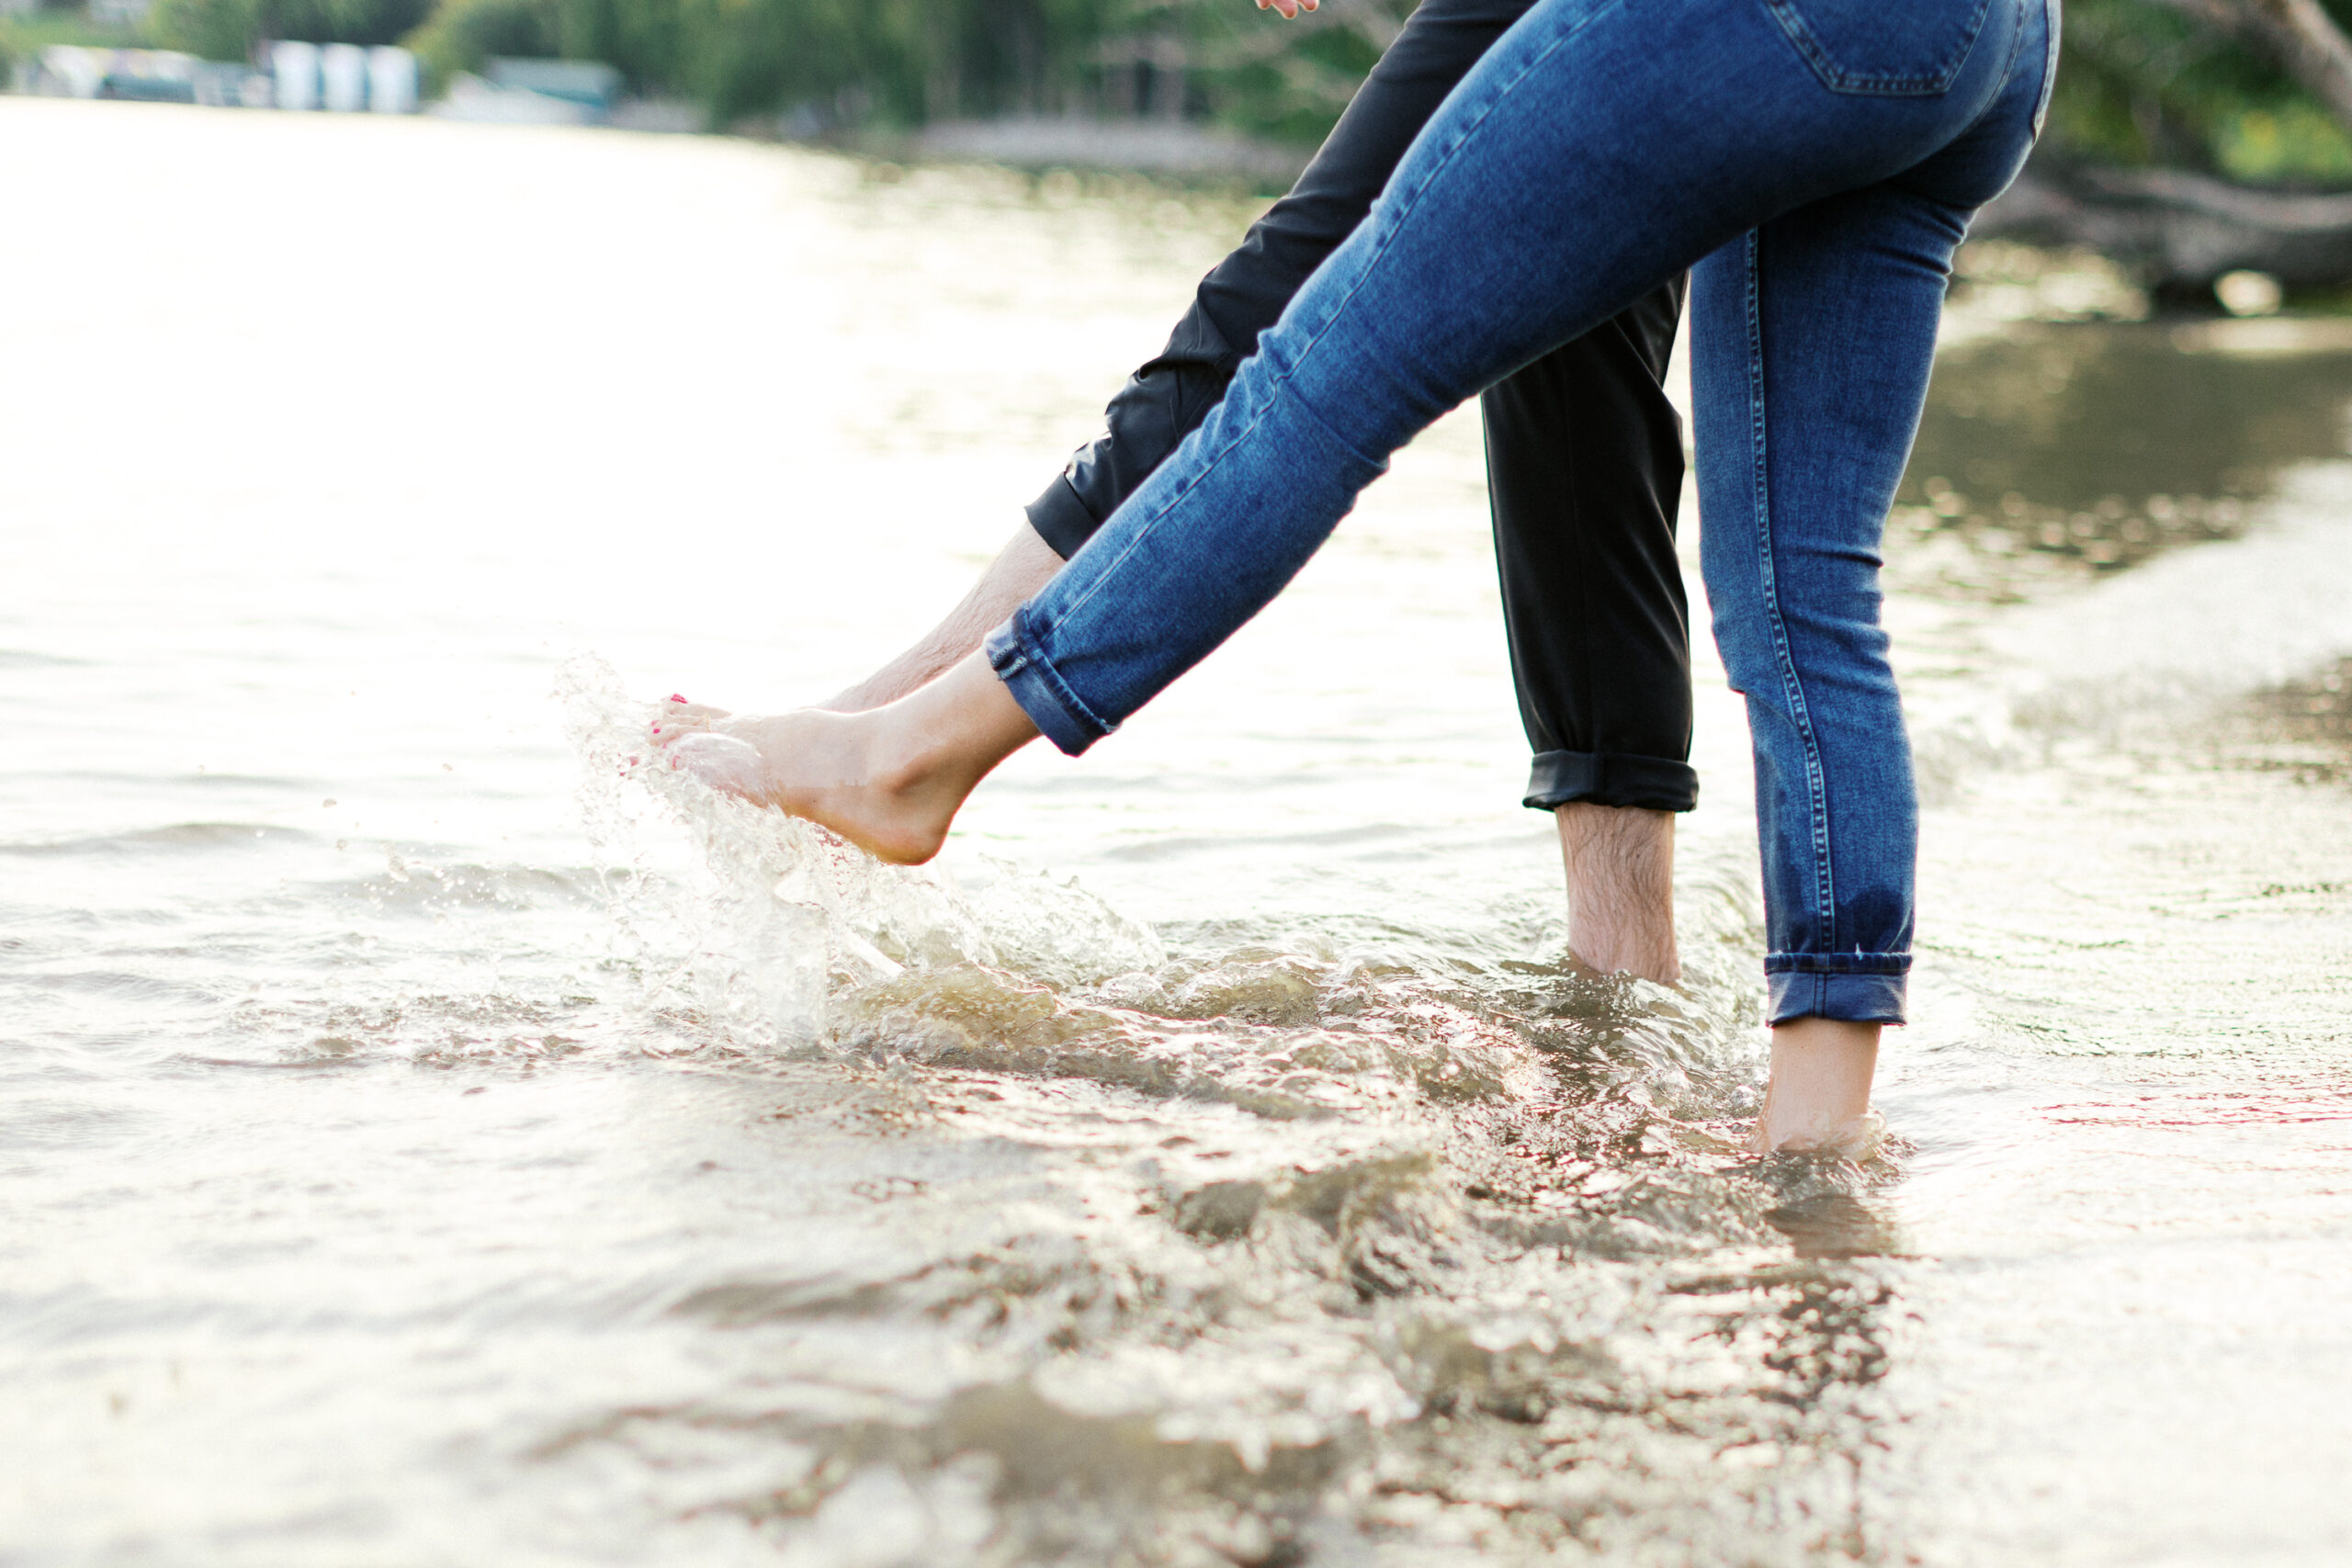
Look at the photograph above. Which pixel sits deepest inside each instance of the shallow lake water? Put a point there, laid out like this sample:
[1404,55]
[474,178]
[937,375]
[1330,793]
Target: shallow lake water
[425,1140]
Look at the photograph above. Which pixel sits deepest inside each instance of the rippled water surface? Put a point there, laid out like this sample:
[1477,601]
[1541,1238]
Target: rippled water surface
[424,1139]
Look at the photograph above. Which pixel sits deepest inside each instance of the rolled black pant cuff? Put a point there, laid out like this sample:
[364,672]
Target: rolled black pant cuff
[1061,519]
[1610,778]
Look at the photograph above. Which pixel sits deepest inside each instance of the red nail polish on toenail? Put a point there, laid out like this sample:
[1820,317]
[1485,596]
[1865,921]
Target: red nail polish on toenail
[675,698]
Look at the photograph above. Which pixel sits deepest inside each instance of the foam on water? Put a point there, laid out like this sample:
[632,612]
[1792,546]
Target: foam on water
[1475,1112]
[1420,1236]
[790,939]
[782,915]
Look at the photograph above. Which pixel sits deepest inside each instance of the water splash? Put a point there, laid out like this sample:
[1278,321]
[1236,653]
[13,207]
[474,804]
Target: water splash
[778,919]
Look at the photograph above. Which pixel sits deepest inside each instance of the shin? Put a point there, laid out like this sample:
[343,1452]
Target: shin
[1620,863]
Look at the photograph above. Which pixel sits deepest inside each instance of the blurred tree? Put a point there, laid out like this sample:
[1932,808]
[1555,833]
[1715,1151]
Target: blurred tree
[464,33]
[1288,82]
[908,60]
[228,29]
[2299,36]
[2257,90]
[2253,90]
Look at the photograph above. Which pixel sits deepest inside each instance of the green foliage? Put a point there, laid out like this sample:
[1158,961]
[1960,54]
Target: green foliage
[228,29]
[742,57]
[903,59]
[464,33]
[1286,82]
[23,34]
[2292,143]
[2140,83]
[904,62]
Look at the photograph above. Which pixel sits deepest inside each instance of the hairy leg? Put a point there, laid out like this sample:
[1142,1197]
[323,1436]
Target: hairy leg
[1025,564]
[889,780]
[1620,863]
[1820,1090]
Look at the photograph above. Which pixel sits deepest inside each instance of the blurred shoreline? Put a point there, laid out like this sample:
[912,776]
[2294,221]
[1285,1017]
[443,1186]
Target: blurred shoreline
[1170,148]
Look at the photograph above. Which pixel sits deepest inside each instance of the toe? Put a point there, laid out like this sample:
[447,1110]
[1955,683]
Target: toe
[722,761]
[676,717]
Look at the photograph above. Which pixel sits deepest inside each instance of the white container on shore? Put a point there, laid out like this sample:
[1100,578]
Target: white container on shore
[342,76]
[295,69]
[391,80]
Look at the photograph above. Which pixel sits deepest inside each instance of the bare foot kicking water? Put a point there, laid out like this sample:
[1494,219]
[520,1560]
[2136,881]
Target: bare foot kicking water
[821,766]
[890,781]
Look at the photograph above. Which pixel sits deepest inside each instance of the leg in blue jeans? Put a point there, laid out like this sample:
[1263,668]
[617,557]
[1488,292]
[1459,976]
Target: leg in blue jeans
[1821,155]
[1803,432]
[1600,147]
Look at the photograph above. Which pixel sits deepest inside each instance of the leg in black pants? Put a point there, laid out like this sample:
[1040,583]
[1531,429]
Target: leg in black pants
[1584,452]
[1586,463]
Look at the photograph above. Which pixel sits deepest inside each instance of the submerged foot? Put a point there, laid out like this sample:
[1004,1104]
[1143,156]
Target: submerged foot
[1818,1098]
[1857,1138]
[832,769]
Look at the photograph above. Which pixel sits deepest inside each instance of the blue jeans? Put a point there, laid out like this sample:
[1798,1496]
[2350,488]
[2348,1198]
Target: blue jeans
[1817,162]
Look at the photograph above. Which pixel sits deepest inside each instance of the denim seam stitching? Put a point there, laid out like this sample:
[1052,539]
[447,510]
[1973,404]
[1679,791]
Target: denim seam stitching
[1036,659]
[1405,210]
[1793,689]
[2009,67]
[2017,48]
[1865,964]
[1152,523]
[2054,23]
[1838,79]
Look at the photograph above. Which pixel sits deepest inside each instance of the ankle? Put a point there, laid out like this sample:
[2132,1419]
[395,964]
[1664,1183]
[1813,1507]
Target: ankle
[1646,950]
[953,731]
[1819,1093]
[900,758]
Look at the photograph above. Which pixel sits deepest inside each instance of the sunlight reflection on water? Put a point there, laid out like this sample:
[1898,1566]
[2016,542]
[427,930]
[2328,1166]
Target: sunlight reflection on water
[426,1143]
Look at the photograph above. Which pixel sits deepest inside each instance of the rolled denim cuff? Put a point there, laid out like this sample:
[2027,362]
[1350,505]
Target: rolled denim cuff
[1610,778]
[1858,987]
[1062,518]
[1038,687]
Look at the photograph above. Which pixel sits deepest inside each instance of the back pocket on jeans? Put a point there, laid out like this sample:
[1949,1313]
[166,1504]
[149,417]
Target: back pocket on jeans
[1889,47]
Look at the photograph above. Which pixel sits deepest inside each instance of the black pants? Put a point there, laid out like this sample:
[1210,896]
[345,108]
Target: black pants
[1584,453]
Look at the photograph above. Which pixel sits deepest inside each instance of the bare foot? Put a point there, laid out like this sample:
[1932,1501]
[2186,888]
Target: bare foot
[673,716]
[890,781]
[829,768]
[1818,1099]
